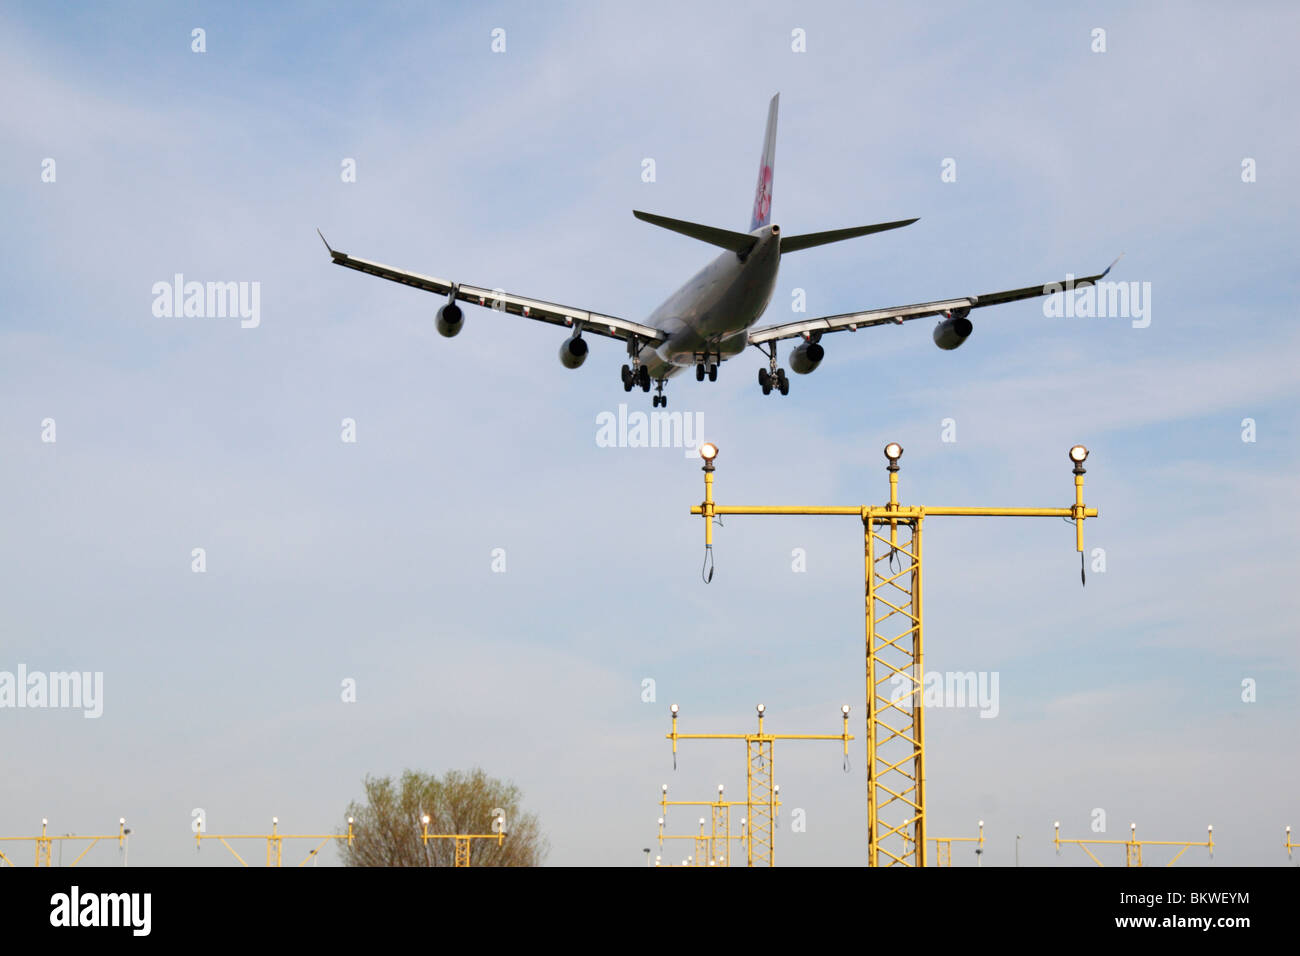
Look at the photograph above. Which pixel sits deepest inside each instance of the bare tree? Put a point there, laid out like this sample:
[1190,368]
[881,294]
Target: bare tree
[387,829]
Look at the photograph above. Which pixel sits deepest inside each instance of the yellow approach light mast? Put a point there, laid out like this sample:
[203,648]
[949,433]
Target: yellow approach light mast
[45,843]
[1133,846]
[943,847]
[719,842]
[464,840]
[896,822]
[274,841]
[762,792]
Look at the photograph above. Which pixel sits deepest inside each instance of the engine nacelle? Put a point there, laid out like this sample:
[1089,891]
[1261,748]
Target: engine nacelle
[573,352]
[806,357]
[450,320]
[954,330]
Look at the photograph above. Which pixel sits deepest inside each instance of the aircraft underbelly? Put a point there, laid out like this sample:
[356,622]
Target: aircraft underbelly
[715,311]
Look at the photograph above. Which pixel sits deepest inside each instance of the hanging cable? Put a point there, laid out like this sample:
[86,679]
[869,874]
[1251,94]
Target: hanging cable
[706,570]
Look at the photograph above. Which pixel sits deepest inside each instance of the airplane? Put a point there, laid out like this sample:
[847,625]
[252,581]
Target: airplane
[710,319]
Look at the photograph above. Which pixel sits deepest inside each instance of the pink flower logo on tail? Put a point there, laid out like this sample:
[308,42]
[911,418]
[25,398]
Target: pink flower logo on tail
[763,196]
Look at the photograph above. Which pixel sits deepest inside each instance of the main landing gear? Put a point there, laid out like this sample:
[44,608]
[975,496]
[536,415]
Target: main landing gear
[701,370]
[773,377]
[641,377]
[768,381]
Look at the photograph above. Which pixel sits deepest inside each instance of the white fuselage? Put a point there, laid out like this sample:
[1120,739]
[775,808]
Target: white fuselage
[708,318]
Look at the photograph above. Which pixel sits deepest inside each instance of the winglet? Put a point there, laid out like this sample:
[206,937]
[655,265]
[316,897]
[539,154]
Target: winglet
[333,253]
[1111,266]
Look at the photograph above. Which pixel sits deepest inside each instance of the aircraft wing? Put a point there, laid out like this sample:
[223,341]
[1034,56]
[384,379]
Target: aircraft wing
[897,315]
[502,301]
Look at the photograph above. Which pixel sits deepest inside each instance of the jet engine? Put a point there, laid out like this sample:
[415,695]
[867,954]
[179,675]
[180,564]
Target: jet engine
[573,352]
[450,320]
[954,330]
[806,357]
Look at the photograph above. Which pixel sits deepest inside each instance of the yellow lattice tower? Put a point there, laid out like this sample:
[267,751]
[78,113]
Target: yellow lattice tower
[463,840]
[895,720]
[761,791]
[274,841]
[1133,846]
[45,842]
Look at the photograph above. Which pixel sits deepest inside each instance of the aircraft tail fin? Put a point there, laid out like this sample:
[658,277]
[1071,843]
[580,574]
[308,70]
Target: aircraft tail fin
[762,214]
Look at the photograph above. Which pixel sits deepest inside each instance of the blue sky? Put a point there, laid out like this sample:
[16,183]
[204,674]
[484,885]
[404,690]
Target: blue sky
[372,561]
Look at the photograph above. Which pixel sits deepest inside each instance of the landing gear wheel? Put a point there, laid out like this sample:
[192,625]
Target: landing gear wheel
[699,371]
[643,378]
[782,383]
[765,381]
[713,373]
[627,379]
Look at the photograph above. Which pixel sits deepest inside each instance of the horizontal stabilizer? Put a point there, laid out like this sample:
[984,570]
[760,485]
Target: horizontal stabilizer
[738,242]
[810,239]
